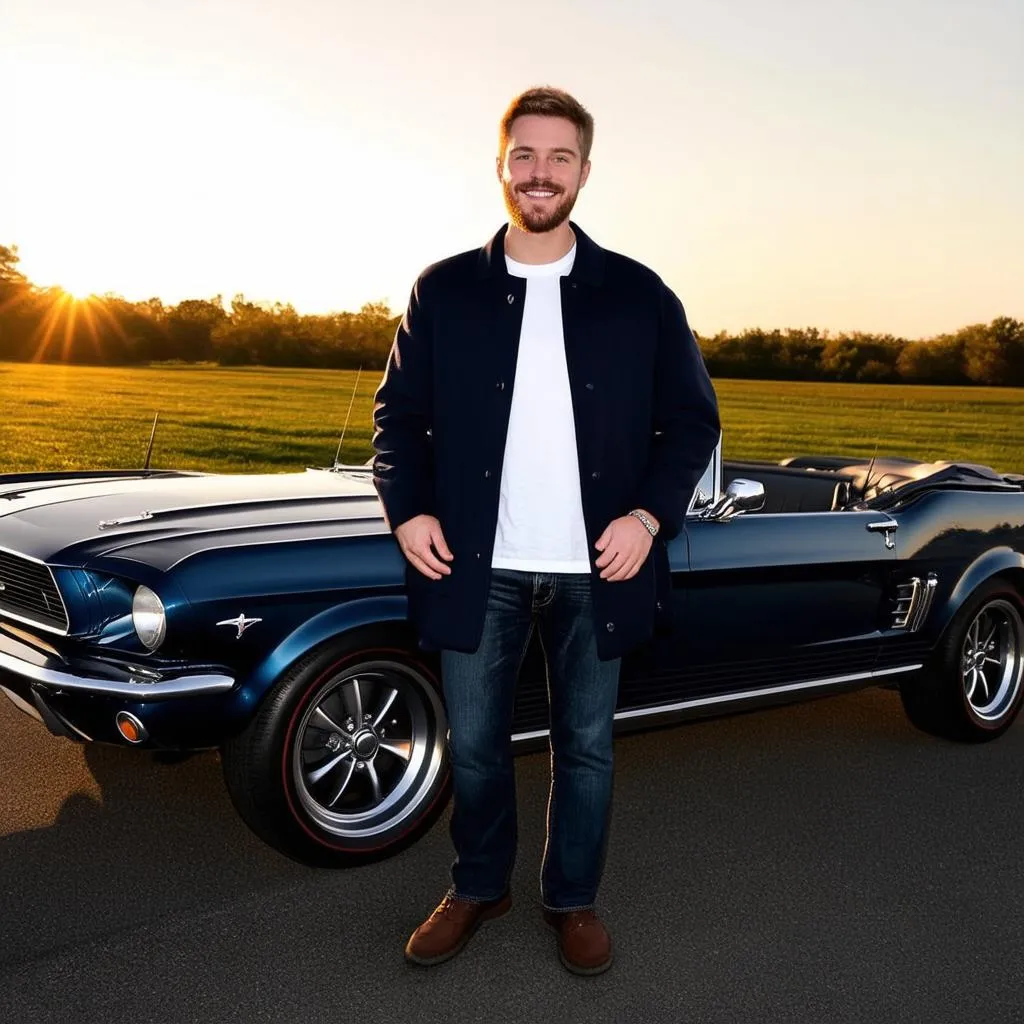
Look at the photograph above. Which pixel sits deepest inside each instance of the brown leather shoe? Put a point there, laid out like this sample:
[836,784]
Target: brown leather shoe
[584,945]
[450,927]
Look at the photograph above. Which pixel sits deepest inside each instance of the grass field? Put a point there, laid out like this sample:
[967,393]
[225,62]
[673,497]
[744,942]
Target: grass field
[257,419]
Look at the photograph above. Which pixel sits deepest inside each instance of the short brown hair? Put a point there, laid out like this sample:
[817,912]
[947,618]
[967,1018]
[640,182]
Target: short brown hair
[549,102]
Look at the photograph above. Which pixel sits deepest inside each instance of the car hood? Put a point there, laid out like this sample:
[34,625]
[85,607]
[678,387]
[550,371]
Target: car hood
[71,520]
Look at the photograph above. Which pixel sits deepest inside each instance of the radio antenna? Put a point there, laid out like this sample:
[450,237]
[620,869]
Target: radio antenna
[152,437]
[352,398]
[867,479]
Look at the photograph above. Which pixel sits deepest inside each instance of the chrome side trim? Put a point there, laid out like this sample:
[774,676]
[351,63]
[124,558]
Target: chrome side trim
[182,686]
[725,698]
[848,513]
[33,622]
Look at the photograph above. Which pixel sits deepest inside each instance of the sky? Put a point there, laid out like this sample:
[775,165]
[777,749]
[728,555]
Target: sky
[850,166]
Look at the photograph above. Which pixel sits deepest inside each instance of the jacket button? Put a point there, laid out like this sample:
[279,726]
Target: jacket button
[595,475]
[657,604]
[589,386]
[487,473]
[478,555]
[511,299]
[500,385]
[610,626]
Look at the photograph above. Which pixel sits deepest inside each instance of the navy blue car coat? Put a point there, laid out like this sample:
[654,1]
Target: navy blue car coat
[645,413]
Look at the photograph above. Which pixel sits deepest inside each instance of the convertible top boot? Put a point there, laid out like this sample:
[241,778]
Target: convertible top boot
[450,927]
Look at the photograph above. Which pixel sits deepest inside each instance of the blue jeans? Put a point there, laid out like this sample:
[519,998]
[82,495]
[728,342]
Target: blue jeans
[479,690]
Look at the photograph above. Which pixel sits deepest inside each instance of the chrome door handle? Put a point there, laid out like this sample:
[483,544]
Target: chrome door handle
[888,527]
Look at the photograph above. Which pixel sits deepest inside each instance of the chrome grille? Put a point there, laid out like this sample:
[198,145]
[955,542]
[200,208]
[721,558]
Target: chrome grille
[28,592]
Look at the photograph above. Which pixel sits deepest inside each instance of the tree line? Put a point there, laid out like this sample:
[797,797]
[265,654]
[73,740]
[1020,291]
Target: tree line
[46,324]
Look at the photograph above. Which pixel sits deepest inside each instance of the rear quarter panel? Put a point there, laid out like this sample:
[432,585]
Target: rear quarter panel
[965,538]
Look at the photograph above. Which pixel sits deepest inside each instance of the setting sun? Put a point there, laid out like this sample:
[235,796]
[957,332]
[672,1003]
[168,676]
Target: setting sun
[80,293]
[155,164]
[69,258]
[57,328]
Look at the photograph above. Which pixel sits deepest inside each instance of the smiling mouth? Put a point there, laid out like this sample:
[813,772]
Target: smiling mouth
[540,193]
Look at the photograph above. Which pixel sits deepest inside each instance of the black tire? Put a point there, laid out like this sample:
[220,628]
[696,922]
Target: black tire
[315,736]
[968,693]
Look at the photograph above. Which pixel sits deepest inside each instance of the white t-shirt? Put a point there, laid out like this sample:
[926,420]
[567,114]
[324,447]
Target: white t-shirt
[540,511]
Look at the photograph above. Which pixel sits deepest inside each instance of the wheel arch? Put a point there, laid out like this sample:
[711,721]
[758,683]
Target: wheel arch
[384,612]
[997,562]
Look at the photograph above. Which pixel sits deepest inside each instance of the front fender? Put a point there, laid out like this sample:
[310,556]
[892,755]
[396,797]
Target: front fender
[991,563]
[331,622]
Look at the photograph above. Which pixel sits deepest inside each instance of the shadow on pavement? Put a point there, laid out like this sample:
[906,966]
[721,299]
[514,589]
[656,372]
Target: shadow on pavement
[823,862]
[162,838]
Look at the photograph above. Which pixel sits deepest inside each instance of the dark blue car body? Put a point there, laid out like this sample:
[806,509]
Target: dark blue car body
[845,574]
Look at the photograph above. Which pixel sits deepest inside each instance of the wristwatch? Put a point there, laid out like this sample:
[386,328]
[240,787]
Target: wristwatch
[646,520]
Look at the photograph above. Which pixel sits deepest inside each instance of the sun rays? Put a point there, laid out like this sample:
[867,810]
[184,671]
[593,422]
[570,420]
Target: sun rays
[68,320]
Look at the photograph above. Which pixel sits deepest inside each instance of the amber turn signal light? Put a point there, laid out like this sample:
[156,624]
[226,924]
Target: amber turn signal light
[130,727]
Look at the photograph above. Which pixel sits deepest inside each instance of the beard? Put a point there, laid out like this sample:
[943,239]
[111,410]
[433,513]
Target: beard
[534,222]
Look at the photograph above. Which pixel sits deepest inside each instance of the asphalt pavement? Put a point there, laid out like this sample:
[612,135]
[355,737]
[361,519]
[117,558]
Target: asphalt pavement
[823,862]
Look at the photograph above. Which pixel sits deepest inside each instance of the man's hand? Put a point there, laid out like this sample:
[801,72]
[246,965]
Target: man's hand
[624,545]
[419,538]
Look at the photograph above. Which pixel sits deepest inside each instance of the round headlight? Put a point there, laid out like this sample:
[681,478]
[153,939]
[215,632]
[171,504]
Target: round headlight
[149,618]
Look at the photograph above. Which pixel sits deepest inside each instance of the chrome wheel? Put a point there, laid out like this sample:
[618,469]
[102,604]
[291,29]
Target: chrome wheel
[990,660]
[369,750]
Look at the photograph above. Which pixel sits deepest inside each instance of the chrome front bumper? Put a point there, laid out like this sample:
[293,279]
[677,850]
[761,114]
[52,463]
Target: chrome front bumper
[36,668]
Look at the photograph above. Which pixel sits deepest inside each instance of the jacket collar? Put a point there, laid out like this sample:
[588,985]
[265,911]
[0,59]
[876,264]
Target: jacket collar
[588,265]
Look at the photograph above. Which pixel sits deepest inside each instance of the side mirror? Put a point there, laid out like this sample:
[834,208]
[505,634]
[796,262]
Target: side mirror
[740,496]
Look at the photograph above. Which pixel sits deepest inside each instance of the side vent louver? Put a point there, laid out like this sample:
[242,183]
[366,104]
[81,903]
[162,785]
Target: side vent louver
[913,601]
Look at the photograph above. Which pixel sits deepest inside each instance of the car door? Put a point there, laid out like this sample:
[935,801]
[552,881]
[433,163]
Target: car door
[761,601]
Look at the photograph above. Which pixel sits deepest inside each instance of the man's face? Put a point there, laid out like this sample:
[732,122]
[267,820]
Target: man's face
[541,172]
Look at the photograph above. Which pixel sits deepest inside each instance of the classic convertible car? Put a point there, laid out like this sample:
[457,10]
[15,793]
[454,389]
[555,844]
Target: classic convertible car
[265,615]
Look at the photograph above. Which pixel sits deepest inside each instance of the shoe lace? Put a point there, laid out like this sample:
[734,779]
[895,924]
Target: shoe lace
[446,906]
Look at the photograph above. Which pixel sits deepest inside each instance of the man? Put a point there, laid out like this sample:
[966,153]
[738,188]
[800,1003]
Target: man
[541,426]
